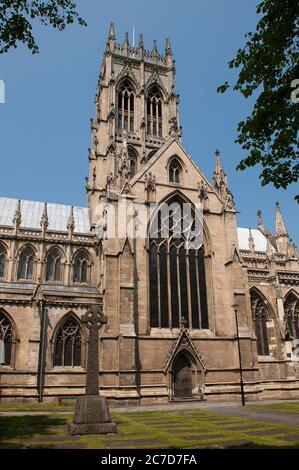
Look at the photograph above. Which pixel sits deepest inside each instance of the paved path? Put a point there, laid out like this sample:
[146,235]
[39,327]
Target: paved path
[224,408]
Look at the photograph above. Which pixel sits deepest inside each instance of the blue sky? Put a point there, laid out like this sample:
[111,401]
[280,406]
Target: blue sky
[45,122]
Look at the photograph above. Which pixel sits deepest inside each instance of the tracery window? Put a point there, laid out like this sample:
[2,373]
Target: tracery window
[154,112]
[68,344]
[2,260]
[126,107]
[26,261]
[260,317]
[175,171]
[291,309]
[53,269]
[177,268]
[6,335]
[80,267]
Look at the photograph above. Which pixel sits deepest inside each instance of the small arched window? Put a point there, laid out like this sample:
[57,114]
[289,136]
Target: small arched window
[26,261]
[2,260]
[154,112]
[6,335]
[291,311]
[80,267]
[53,269]
[260,317]
[126,107]
[68,343]
[175,171]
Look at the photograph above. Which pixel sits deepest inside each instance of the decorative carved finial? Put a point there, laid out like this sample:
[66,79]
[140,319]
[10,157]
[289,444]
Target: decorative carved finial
[71,222]
[183,322]
[140,42]
[17,220]
[111,35]
[127,39]
[45,220]
[155,48]
[202,189]
[168,50]
[280,228]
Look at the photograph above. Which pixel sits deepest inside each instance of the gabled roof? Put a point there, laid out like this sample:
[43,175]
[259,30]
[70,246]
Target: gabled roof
[147,166]
[32,211]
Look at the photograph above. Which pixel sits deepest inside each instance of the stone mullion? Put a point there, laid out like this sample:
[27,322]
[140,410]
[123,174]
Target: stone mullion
[178,283]
[122,111]
[169,288]
[188,290]
[198,288]
[158,288]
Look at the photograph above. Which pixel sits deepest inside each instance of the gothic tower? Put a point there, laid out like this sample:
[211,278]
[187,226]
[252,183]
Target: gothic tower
[136,111]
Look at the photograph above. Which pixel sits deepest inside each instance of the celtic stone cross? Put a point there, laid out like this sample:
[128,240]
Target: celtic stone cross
[93,319]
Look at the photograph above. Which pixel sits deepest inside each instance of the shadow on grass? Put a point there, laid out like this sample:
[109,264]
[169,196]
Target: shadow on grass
[24,427]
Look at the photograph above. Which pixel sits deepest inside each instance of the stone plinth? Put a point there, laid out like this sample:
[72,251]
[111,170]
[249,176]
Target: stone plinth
[92,416]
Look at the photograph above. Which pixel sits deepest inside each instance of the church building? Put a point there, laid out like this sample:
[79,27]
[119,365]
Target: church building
[171,297]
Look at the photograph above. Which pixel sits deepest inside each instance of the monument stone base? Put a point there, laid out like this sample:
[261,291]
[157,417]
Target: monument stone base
[91,416]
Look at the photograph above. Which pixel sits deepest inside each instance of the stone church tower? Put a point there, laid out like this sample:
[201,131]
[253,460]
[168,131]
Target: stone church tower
[167,283]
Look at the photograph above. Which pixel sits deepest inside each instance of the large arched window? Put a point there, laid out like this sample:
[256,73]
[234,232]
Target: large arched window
[175,171]
[260,318]
[291,310]
[126,107]
[80,267]
[68,343]
[177,268]
[2,260]
[53,266]
[26,261]
[154,112]
[6,335]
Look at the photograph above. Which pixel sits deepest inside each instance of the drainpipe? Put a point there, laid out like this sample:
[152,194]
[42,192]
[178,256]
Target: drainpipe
[43,310]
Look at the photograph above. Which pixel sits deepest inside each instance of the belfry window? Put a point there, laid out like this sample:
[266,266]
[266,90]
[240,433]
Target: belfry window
[2,260]
[291,310]
[260,317]
[175,171]
[177,268]
[25,269]
[154,112]
[80,267]
[68,344]
[6,335]
[126,107]
[53,270]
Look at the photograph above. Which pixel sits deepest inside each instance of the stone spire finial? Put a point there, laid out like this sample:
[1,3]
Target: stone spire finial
[281,234]
[17,219]
[127,39]
[71,222]
[140,42]
[220,178]
[111,35]
[264,230]
[155,48]
[280,228]
[44,220]
[168,50]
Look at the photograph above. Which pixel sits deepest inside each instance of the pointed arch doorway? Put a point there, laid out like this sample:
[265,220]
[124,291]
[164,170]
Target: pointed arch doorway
[182,377]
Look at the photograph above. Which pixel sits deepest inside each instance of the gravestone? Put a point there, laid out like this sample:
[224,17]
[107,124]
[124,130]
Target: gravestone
[92,414]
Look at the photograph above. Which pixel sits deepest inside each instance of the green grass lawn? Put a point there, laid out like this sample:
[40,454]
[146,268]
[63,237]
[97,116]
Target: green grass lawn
[150,429]
[283,407]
